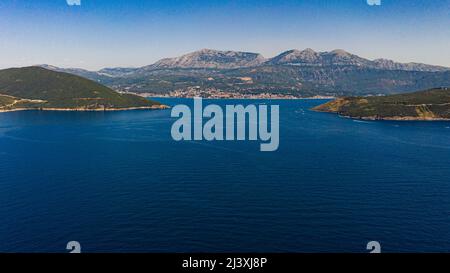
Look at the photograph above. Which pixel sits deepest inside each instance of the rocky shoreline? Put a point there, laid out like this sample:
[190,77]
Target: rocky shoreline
[378,118]
[153,107]
[399,118]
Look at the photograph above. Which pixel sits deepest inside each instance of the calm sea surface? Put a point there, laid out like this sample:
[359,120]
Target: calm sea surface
[117,182]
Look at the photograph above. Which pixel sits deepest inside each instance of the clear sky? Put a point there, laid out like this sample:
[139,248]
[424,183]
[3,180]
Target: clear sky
[130,33]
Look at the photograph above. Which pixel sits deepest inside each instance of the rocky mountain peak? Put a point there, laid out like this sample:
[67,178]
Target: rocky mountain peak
[340,53]
[295,56]
[208,58]
[309,51]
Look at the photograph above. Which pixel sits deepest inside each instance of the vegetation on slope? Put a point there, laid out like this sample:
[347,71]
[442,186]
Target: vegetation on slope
[301,81]
[36,87]
[433,104]
[6,100]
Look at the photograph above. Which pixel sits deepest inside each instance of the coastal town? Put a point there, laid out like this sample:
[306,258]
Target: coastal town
[213,93]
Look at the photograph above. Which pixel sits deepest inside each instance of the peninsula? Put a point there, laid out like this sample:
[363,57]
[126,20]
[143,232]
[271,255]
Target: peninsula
[37,88]
[428,105]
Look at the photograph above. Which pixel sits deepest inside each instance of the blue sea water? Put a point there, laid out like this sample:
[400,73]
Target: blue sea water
[117,182]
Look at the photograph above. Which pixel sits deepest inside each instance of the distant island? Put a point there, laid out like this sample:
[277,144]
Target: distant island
[428,105]
[36,88]
[291,74]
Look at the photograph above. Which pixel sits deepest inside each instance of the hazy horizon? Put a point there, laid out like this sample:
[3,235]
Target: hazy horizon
[118,33]
[247,51]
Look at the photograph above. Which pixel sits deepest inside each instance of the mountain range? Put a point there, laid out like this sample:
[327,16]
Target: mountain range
[299,73]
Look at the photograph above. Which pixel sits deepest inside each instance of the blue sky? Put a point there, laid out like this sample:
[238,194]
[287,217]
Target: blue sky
[109,33]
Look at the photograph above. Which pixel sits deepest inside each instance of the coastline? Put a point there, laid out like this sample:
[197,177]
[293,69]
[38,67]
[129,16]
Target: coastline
[153,107]
[398,118]
[240,97]
[377,118]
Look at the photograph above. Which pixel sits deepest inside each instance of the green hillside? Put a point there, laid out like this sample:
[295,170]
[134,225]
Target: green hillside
[36,87]
[6,100]
[433,104]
